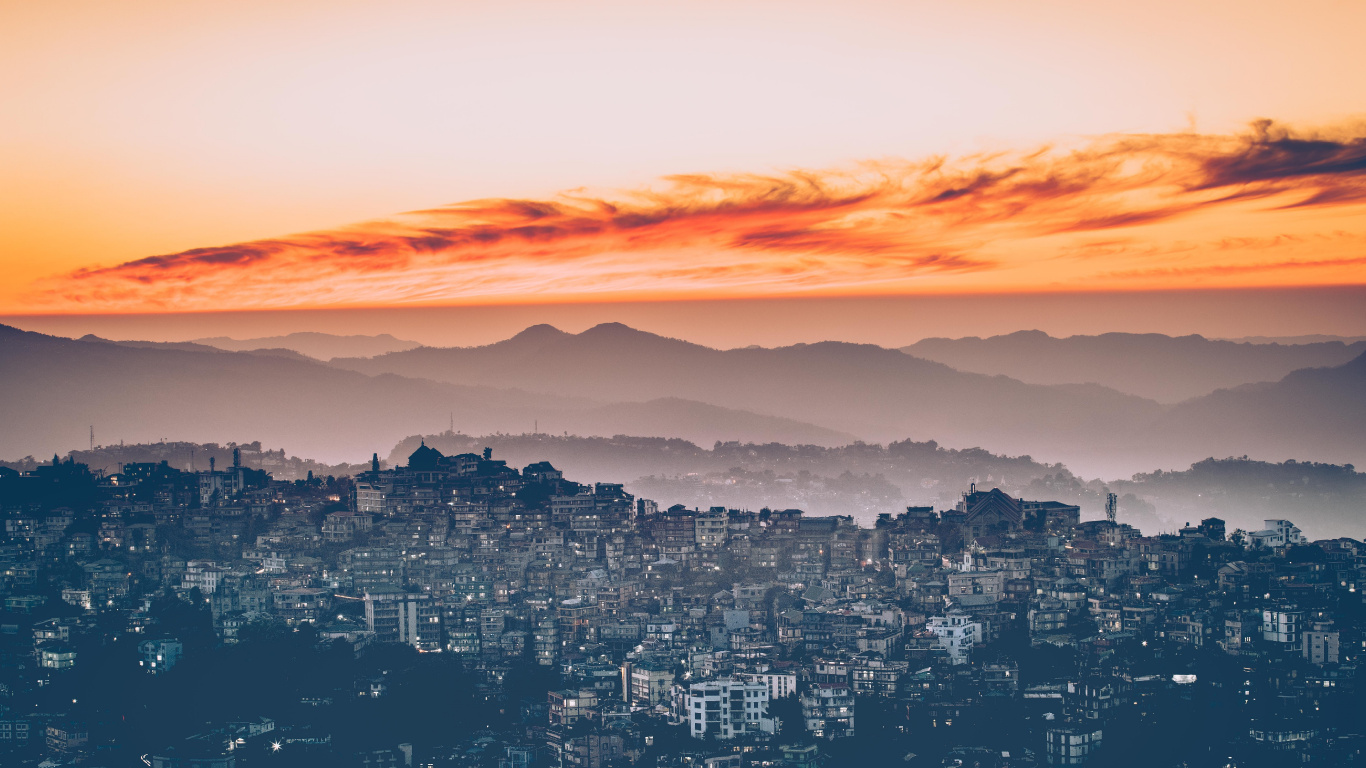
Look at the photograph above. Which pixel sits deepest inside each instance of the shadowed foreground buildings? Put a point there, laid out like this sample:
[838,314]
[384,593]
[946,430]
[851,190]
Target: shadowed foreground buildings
[460,612]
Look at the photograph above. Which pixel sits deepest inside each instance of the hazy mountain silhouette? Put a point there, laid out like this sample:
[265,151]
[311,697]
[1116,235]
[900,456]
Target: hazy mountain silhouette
[191,346]
[615,380]
[1164,368]
[882,395]
[1314,412]
[53,389]
[184,346]
[878,394]
[1312,338]
[320,346]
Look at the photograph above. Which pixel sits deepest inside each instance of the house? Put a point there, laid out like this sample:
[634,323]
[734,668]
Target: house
[957,634]
[158,656]
[1277,533]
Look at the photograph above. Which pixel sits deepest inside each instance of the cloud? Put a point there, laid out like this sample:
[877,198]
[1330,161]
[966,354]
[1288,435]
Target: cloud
[1007,220]
[1230,269]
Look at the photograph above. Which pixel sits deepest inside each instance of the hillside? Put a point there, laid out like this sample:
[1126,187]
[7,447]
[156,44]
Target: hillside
[875,393]
[1164,368]
[881,395]
[52,390]
[319,346]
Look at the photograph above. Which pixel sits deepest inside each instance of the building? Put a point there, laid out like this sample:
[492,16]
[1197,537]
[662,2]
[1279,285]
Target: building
[1320,644]
[977,588]
[401,617]
[1071,744]
[57,656]
[66,737]
[728,708]
[568,707]
[780,684]
[957,634]
[1277,533]
[828,710]
[650,684]
[158,656]
[1282,625]
[711,527]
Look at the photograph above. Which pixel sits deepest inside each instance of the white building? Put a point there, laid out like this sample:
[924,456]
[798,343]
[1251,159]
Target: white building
[728,708]
[1282,626]
[780,684]
[1278,533]
[203,574]
[159,656]
[957,633]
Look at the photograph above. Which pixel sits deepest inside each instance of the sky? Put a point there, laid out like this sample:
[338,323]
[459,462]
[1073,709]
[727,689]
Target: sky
[729,172]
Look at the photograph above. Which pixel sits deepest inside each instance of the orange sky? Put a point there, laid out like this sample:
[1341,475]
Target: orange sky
[156,157]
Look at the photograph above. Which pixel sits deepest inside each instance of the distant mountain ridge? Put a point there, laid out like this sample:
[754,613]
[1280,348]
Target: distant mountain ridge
[1163,368]
[319,346]
[612,379]
[876,393]
[53,389]
[881,395]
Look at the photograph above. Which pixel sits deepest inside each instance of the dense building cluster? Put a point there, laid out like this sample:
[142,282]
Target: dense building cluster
[457,611]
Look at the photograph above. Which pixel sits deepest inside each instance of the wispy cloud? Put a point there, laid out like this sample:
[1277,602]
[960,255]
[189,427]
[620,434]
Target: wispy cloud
[1121,211]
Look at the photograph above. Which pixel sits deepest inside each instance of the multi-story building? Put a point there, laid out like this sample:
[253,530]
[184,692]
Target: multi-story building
[1320,644]
[400,617]
[158,656]
[828,710]
[650,683]
[957,634]
[727,708]
[1282,625]
[1066,744]
[569,707]
[712,527]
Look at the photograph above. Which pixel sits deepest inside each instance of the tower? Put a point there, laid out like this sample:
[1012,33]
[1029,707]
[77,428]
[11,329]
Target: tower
[374,462]
[1111,507]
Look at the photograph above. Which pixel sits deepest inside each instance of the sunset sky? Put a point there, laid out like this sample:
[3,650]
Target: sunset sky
[227,158]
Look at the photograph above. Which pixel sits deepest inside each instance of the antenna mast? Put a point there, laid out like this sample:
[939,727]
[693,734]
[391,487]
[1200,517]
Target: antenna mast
[1111,507]
[92,437]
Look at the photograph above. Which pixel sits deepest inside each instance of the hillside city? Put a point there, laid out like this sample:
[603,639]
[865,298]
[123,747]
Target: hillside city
[458,611]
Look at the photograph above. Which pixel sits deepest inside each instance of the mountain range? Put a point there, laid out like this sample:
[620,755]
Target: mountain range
[319,346]
[612,379]
[882,394]
[1163,368]
[53,389]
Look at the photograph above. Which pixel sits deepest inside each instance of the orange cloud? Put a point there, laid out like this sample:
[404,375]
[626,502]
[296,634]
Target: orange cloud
[1129,211]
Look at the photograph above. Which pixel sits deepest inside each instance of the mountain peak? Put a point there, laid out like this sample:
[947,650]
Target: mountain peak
[540,332]
[612,328]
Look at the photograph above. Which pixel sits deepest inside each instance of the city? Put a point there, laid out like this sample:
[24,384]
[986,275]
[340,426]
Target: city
[682,384]
[456,611]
